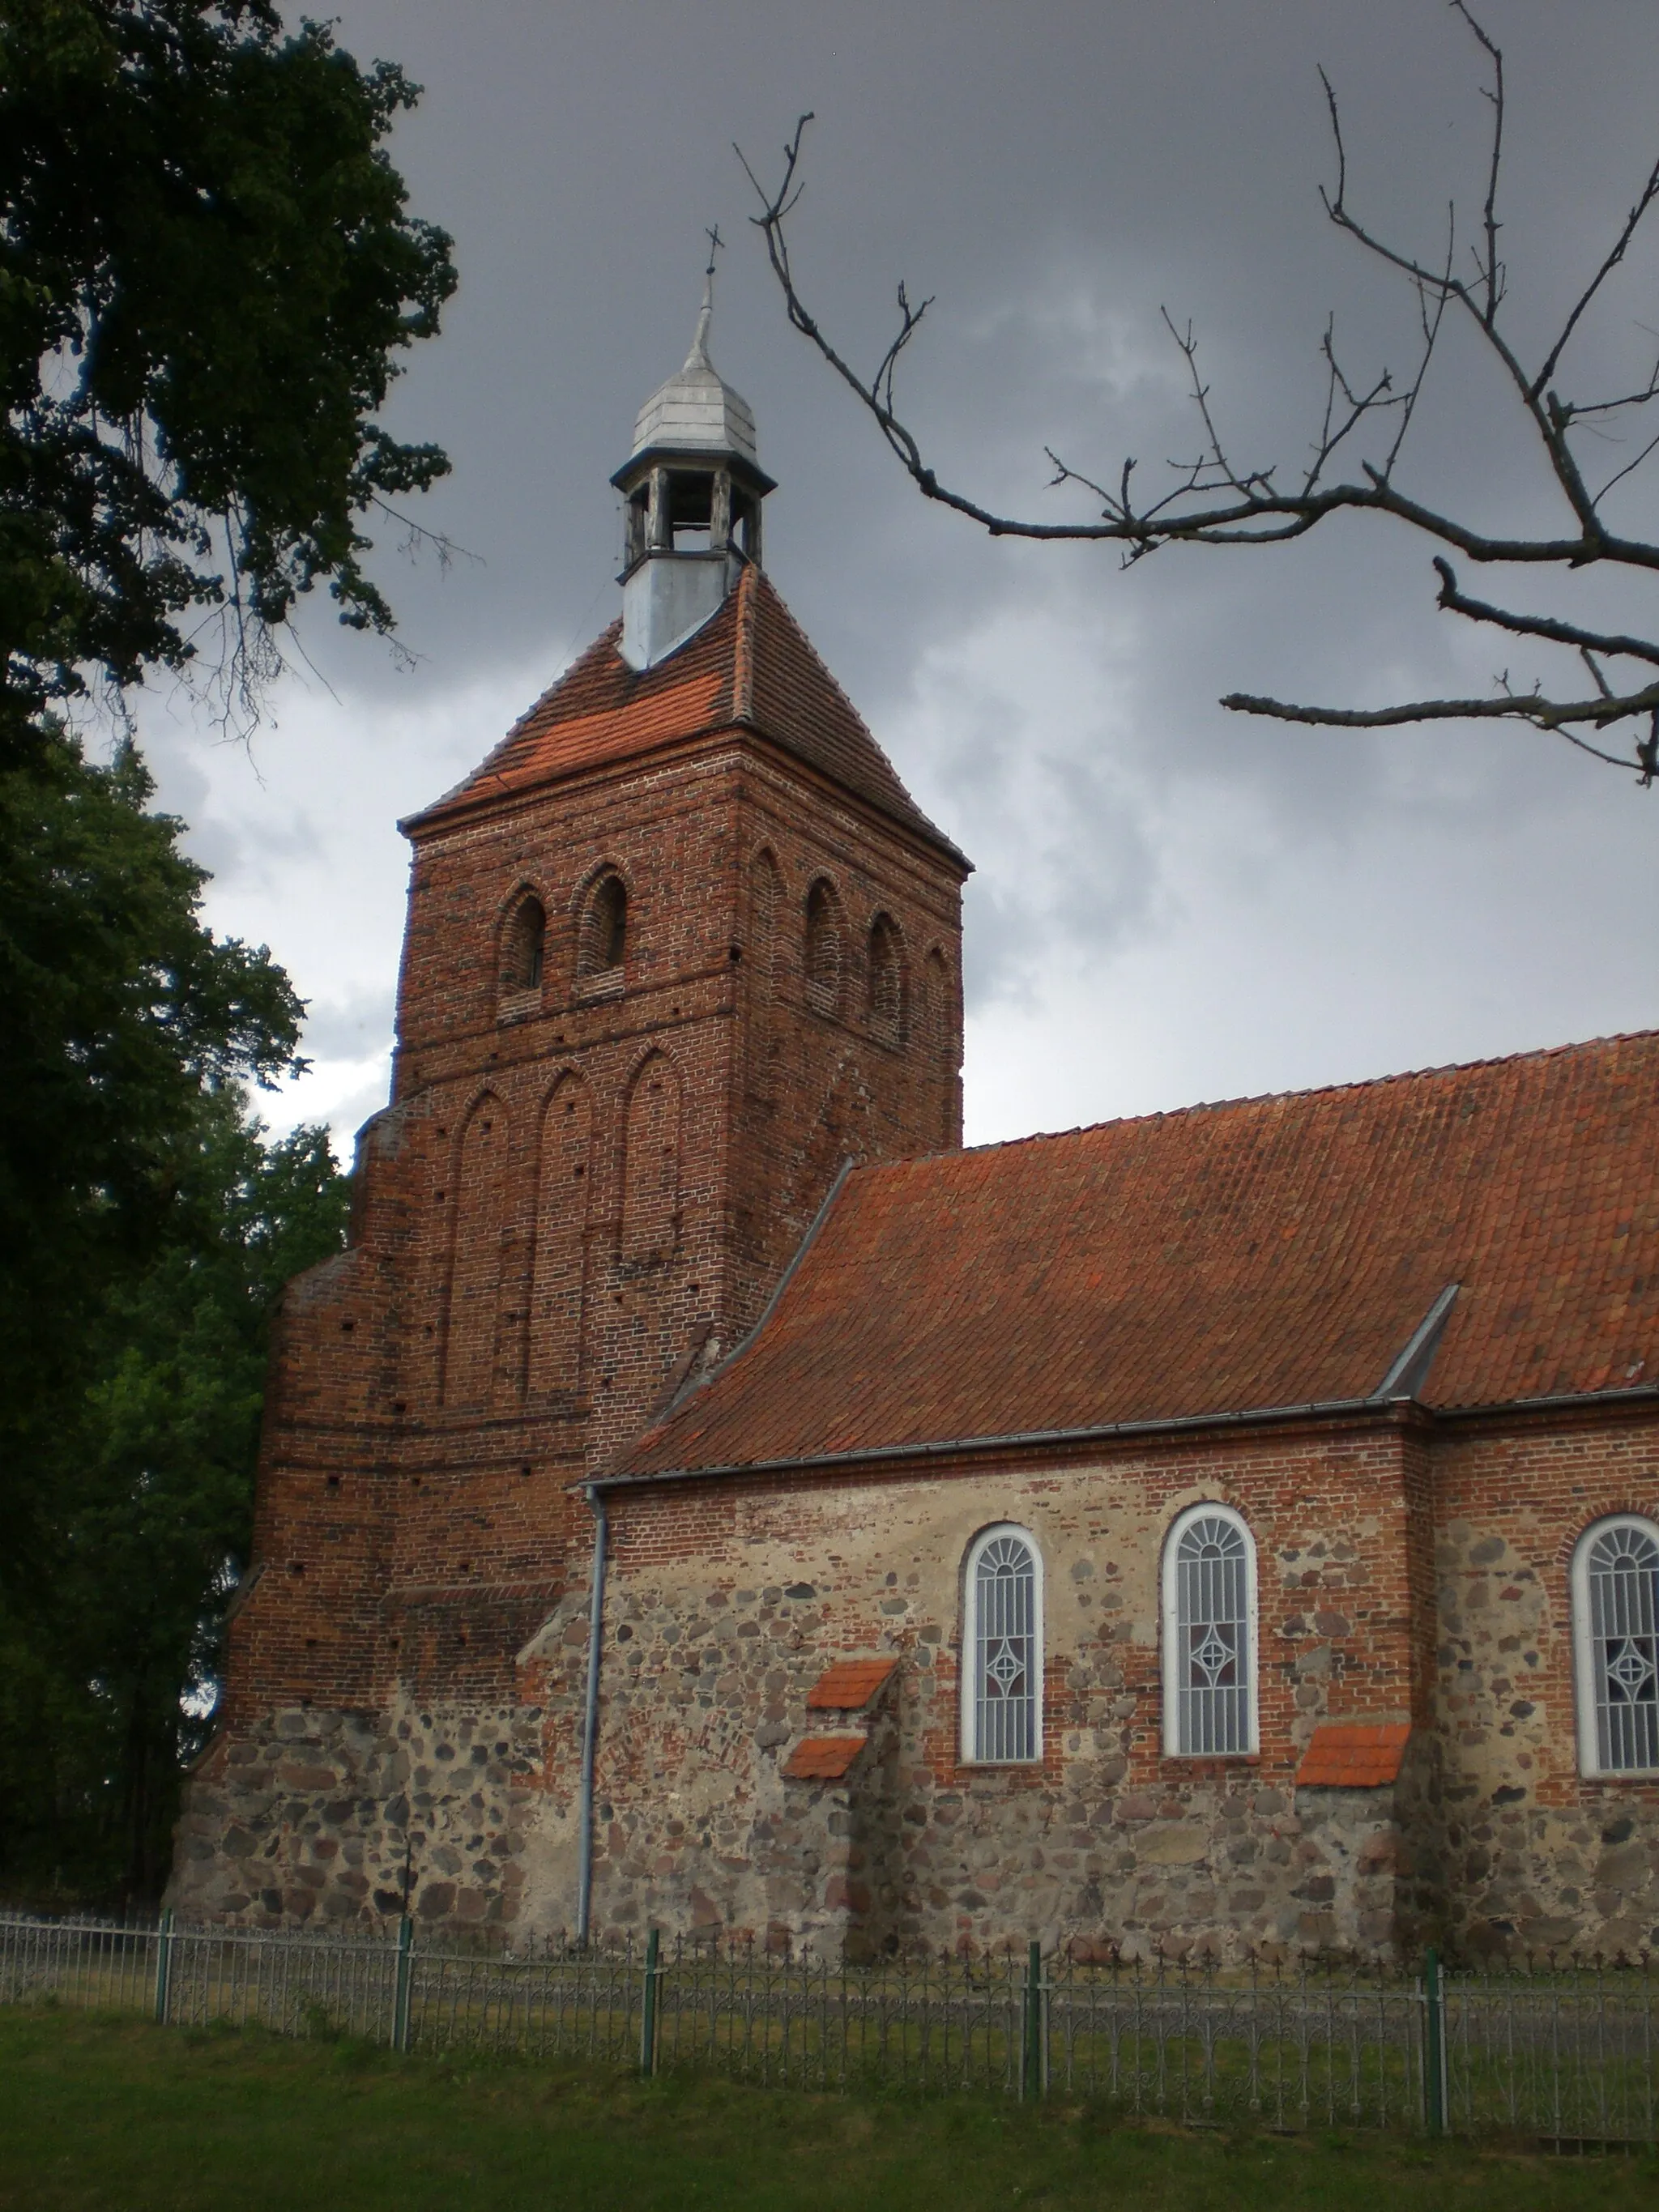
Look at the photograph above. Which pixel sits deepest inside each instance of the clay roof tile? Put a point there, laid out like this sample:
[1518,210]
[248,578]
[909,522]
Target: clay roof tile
[823,1757]
[1267,1253]
[849,1684]
[1353,1755]
[752,667]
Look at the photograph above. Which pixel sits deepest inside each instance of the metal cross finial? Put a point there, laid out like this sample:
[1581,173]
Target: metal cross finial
[698,356]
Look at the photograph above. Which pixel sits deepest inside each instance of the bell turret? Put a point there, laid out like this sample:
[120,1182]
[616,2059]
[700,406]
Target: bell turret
[692,490]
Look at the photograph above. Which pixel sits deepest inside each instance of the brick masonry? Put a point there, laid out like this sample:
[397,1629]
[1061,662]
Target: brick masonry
[582,1190]
[585,1189]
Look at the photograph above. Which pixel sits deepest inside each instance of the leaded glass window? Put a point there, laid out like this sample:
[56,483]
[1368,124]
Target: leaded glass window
[1003,1707]
[1617,1606]
[1209,1661]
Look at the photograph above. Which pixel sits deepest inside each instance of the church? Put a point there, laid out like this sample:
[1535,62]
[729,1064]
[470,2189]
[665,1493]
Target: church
[705,1496]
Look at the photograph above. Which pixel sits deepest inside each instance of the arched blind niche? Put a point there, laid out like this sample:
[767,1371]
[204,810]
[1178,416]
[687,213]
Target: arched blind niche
[760,961]
[825,942]
[1002,1650]
[478,1221]
[651,1162]
[1616,1640]
[1209,1635]
[886,980]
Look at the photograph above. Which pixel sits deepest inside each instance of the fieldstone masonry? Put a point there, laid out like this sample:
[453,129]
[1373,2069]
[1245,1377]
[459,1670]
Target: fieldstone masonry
[677,952]
[327,1816]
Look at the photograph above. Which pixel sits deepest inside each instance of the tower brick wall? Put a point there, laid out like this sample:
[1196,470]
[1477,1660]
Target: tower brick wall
[584,1189]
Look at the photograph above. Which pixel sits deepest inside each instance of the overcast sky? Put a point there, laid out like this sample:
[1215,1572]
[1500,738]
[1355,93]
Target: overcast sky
[1171,904]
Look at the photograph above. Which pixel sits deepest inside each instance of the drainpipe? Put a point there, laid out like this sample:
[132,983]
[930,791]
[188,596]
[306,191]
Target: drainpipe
[591,1720]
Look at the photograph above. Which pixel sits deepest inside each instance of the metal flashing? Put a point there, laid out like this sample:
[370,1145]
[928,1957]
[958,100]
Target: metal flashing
[1410,1371]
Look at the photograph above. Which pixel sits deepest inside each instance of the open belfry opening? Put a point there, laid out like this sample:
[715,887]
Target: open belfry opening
[705,1496]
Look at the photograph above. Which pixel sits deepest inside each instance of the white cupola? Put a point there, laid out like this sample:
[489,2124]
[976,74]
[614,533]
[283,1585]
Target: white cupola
[692,490]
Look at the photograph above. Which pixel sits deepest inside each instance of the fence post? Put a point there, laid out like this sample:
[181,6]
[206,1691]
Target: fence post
[163,1965]
[400,1984]
[648,2005]
[1434,2044]
[1033,2052]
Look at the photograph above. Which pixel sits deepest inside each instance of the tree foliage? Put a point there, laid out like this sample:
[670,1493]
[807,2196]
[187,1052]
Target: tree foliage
[207,269]
[120,1013]
[109,1658]
[1358,454]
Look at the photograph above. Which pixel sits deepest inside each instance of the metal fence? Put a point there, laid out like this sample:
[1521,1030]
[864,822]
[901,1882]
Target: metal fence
[1563,2054]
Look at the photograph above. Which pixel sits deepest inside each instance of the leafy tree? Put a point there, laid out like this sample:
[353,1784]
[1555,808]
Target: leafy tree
[1359,456]
[119,1014]
[113,1653]
[207,273]
[206,269]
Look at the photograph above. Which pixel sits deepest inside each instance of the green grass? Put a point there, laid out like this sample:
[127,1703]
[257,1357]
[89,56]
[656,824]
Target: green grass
[104,2112]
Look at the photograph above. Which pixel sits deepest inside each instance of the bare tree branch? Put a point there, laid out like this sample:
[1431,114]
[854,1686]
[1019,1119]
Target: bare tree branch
[1216,498]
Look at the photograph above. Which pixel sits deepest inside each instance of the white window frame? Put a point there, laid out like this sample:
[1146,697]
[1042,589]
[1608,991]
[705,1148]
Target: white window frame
[971,1753]
[1583,1652]
[1170,1641]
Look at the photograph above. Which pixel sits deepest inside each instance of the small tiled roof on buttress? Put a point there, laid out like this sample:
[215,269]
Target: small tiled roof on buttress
[1267,1254]
[750,667]
[1353,1755]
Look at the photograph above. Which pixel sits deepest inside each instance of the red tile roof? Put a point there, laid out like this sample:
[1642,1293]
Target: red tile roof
[849,1685]
[823,1758]
[1353,1755]
[1273,1252]
[752,667]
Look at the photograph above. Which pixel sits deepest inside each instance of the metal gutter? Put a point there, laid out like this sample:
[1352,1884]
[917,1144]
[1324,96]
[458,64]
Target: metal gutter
[1015,1440]
[591,1716]
[1109,1431]
[1559,1402]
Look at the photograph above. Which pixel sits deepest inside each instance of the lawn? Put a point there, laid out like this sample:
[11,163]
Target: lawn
[100,2113]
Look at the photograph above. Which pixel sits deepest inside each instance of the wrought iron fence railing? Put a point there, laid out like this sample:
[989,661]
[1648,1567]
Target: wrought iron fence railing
[1566,2053]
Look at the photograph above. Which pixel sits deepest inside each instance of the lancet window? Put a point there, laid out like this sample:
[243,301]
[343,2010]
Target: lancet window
[1002,1648]
[1615,1606]
[1209,1634]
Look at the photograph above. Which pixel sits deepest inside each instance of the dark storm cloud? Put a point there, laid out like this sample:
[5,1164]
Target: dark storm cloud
[1053,174]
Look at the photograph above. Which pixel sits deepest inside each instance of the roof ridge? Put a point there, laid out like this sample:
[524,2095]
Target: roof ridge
[1269,1098]
[743,654]
[777,600]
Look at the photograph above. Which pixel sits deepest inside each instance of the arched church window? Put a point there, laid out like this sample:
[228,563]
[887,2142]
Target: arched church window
[886,980]
[1615,1618]
[1209,1635]
[601,940]
[825,948]
[523,944]
[1002,1648]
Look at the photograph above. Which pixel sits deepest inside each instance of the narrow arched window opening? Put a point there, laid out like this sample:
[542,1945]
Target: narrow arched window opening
[524,945]
[1209,1635]
[1616,1637]
[604,941]
[886,980]
[1002,1648]
[823,949]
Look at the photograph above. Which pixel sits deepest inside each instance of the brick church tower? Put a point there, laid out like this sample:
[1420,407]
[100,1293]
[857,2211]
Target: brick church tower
[679,947]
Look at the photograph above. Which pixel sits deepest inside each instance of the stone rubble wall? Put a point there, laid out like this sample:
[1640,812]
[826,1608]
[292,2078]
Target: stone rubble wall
[725,1606]
[1538,1857]
[321,1815]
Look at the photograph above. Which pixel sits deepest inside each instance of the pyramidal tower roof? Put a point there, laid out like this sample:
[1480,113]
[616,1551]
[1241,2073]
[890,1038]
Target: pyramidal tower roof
[752,667]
